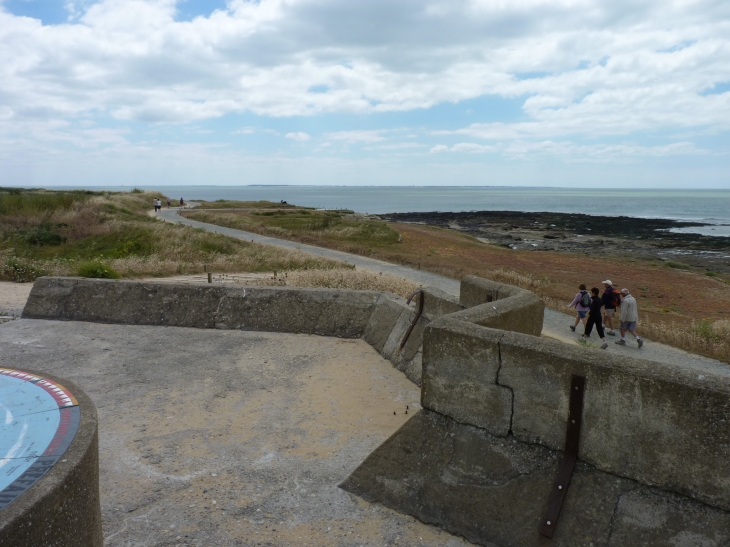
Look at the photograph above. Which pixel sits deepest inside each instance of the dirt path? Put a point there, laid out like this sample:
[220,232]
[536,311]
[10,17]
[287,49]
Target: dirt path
[555,325]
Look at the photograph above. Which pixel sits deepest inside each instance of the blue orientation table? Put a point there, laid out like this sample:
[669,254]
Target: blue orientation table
[38,420]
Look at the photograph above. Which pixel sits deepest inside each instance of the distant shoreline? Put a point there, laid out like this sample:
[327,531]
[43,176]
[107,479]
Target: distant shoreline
[593,235]
[707,206]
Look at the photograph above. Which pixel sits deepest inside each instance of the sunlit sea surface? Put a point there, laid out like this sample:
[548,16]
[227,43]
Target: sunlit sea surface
[706,206]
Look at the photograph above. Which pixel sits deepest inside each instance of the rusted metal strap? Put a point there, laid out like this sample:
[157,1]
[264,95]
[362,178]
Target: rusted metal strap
[419,311]
[565,471]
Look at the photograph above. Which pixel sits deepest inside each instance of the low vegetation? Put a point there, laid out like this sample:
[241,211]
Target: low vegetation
[339,229]
[111,235]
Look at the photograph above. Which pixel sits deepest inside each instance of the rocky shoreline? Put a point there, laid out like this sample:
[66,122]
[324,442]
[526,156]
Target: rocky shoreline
[592,235]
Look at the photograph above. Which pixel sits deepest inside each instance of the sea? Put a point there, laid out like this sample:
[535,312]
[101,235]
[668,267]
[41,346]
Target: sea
[709,207]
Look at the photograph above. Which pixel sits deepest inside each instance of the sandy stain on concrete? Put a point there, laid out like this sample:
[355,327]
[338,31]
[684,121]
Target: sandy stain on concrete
[231,438]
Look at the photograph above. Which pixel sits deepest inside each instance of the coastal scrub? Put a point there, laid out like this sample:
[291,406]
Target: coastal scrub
[111,234]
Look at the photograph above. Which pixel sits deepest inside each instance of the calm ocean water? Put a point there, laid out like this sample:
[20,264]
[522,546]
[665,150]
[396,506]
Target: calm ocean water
[709,206]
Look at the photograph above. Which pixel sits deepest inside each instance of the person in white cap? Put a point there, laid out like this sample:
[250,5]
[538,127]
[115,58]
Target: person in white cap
[629,317]
[611,301]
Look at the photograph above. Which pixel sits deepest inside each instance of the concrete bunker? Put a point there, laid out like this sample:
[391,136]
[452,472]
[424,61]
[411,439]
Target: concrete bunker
[482,455]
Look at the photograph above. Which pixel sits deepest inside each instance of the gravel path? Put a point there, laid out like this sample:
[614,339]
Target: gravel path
[555,323]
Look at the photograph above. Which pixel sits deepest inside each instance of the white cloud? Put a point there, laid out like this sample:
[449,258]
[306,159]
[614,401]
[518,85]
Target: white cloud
[131,58]
[464,147]
[579,70]
[356,136]
[298,136]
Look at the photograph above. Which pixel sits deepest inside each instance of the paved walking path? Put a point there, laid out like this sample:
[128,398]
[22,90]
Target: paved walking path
[555,323]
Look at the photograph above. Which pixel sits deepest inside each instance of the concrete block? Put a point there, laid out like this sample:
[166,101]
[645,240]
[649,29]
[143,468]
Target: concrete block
[62,509]
[385,314]
[328,312]
[112,301]
[415,340]
[477,290]
[460,366]
[523,313]
[391,348]
[662,425]
[437,303]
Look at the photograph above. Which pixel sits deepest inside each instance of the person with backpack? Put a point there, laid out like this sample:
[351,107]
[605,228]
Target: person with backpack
[594,318]
[581,303]
[611,301]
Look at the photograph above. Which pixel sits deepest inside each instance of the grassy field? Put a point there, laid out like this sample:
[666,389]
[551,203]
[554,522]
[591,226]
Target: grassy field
[110,234]
[679,306]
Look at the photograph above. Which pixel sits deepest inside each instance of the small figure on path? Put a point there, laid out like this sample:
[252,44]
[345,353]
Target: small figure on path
[181,202]
[594,318]
[611,301]
[169,202]
[154,204]
[581,303]
[629,317]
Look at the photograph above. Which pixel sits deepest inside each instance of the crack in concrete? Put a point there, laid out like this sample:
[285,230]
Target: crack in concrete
[218,309]
[511,391]
[615,511]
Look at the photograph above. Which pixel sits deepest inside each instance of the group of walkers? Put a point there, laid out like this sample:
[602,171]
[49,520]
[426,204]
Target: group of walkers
[157,204]
[588,311]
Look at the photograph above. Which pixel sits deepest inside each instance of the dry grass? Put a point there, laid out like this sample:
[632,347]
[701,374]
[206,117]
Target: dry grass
[339,278]
[711,338]
[112,232]
[522,280]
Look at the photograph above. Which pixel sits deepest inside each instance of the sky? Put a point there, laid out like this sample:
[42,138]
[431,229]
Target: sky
[578,93]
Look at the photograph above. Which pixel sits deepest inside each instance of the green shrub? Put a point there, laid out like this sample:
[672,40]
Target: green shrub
[42,237]
[35,202]
[21,271]
[677,265]
[128,241]
[97,270]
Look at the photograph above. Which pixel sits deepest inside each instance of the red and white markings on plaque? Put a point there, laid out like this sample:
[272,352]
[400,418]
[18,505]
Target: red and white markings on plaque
[38,420]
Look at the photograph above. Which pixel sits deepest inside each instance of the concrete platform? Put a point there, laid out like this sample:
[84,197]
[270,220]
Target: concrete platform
[232,438]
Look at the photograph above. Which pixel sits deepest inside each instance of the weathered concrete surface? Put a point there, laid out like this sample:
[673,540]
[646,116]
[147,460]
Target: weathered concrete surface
[265,424]
[662,426]
[494,491]
[499,306]
[522,312]
[460,367]
[330,312]
[437,303]
[385,315]
[62,509]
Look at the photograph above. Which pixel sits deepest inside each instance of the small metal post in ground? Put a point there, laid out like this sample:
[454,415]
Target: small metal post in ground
[210,277]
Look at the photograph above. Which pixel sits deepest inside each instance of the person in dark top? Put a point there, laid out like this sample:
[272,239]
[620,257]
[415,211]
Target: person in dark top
[610,301]
[594,318]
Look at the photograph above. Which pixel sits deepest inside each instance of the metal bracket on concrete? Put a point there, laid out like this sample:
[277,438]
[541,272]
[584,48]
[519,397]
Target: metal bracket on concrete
[419,311]
[565,470]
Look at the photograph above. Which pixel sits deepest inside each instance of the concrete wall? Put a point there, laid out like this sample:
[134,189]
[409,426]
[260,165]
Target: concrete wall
[62,509]
[273,309]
